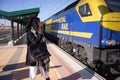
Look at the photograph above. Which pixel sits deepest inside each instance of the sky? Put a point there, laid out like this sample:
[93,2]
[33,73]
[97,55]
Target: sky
[47,7]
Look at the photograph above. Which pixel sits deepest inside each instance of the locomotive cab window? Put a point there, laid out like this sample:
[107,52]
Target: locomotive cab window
[85,10]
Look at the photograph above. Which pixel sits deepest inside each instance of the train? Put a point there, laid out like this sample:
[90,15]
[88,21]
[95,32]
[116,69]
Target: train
[89,30]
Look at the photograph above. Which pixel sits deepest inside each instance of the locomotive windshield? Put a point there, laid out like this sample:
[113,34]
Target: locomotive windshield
[113,5]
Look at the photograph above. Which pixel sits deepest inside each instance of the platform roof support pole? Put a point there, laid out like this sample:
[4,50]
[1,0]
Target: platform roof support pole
[12,30]
[21,29]
[18,30]
[11,42]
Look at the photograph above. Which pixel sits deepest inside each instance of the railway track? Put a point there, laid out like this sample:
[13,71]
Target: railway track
[4,38]
[5,35]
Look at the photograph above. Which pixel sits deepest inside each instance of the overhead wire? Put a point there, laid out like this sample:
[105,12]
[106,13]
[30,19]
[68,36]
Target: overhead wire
[53,10]
[60,5]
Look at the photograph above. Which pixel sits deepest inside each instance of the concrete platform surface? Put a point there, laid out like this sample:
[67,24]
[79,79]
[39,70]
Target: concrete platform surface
[12,65]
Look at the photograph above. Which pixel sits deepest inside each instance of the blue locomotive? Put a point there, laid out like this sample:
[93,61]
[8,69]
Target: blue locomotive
[90,31]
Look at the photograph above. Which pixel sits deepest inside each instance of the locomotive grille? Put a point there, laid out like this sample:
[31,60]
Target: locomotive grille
[115,53]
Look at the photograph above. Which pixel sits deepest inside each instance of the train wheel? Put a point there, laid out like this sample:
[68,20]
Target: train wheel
[116,66]
[74,50]
[62,44]
[83,54]
[77,55]
[59,42]
[65,45]
[80,53]
[91,64]
[70,48]
[102,69]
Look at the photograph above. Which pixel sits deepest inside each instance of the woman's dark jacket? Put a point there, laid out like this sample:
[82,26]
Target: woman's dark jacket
[34,41]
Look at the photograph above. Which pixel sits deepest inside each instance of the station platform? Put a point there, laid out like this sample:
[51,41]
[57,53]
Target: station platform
[62,67]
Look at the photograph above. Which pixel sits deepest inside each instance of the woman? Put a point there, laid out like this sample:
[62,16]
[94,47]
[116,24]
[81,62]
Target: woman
[34,38]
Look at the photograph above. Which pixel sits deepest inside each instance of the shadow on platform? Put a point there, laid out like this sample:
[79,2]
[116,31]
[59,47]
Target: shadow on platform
[18,71]
[56,66]
[10,72]
[79,75]
[14,66]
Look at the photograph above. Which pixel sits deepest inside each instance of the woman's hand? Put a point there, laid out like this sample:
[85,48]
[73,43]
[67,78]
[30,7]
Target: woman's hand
[39,31]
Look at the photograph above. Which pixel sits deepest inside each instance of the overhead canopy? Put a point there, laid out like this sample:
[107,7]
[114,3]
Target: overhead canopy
[21,16]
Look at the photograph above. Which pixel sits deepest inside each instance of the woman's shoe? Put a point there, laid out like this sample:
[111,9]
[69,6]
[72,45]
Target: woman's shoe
[48,78]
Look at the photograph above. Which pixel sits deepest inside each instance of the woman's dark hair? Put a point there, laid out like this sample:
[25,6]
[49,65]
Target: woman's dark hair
[29,25]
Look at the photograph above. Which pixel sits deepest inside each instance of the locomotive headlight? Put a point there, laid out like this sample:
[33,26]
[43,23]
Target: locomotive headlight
[111,42]
[108,42]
